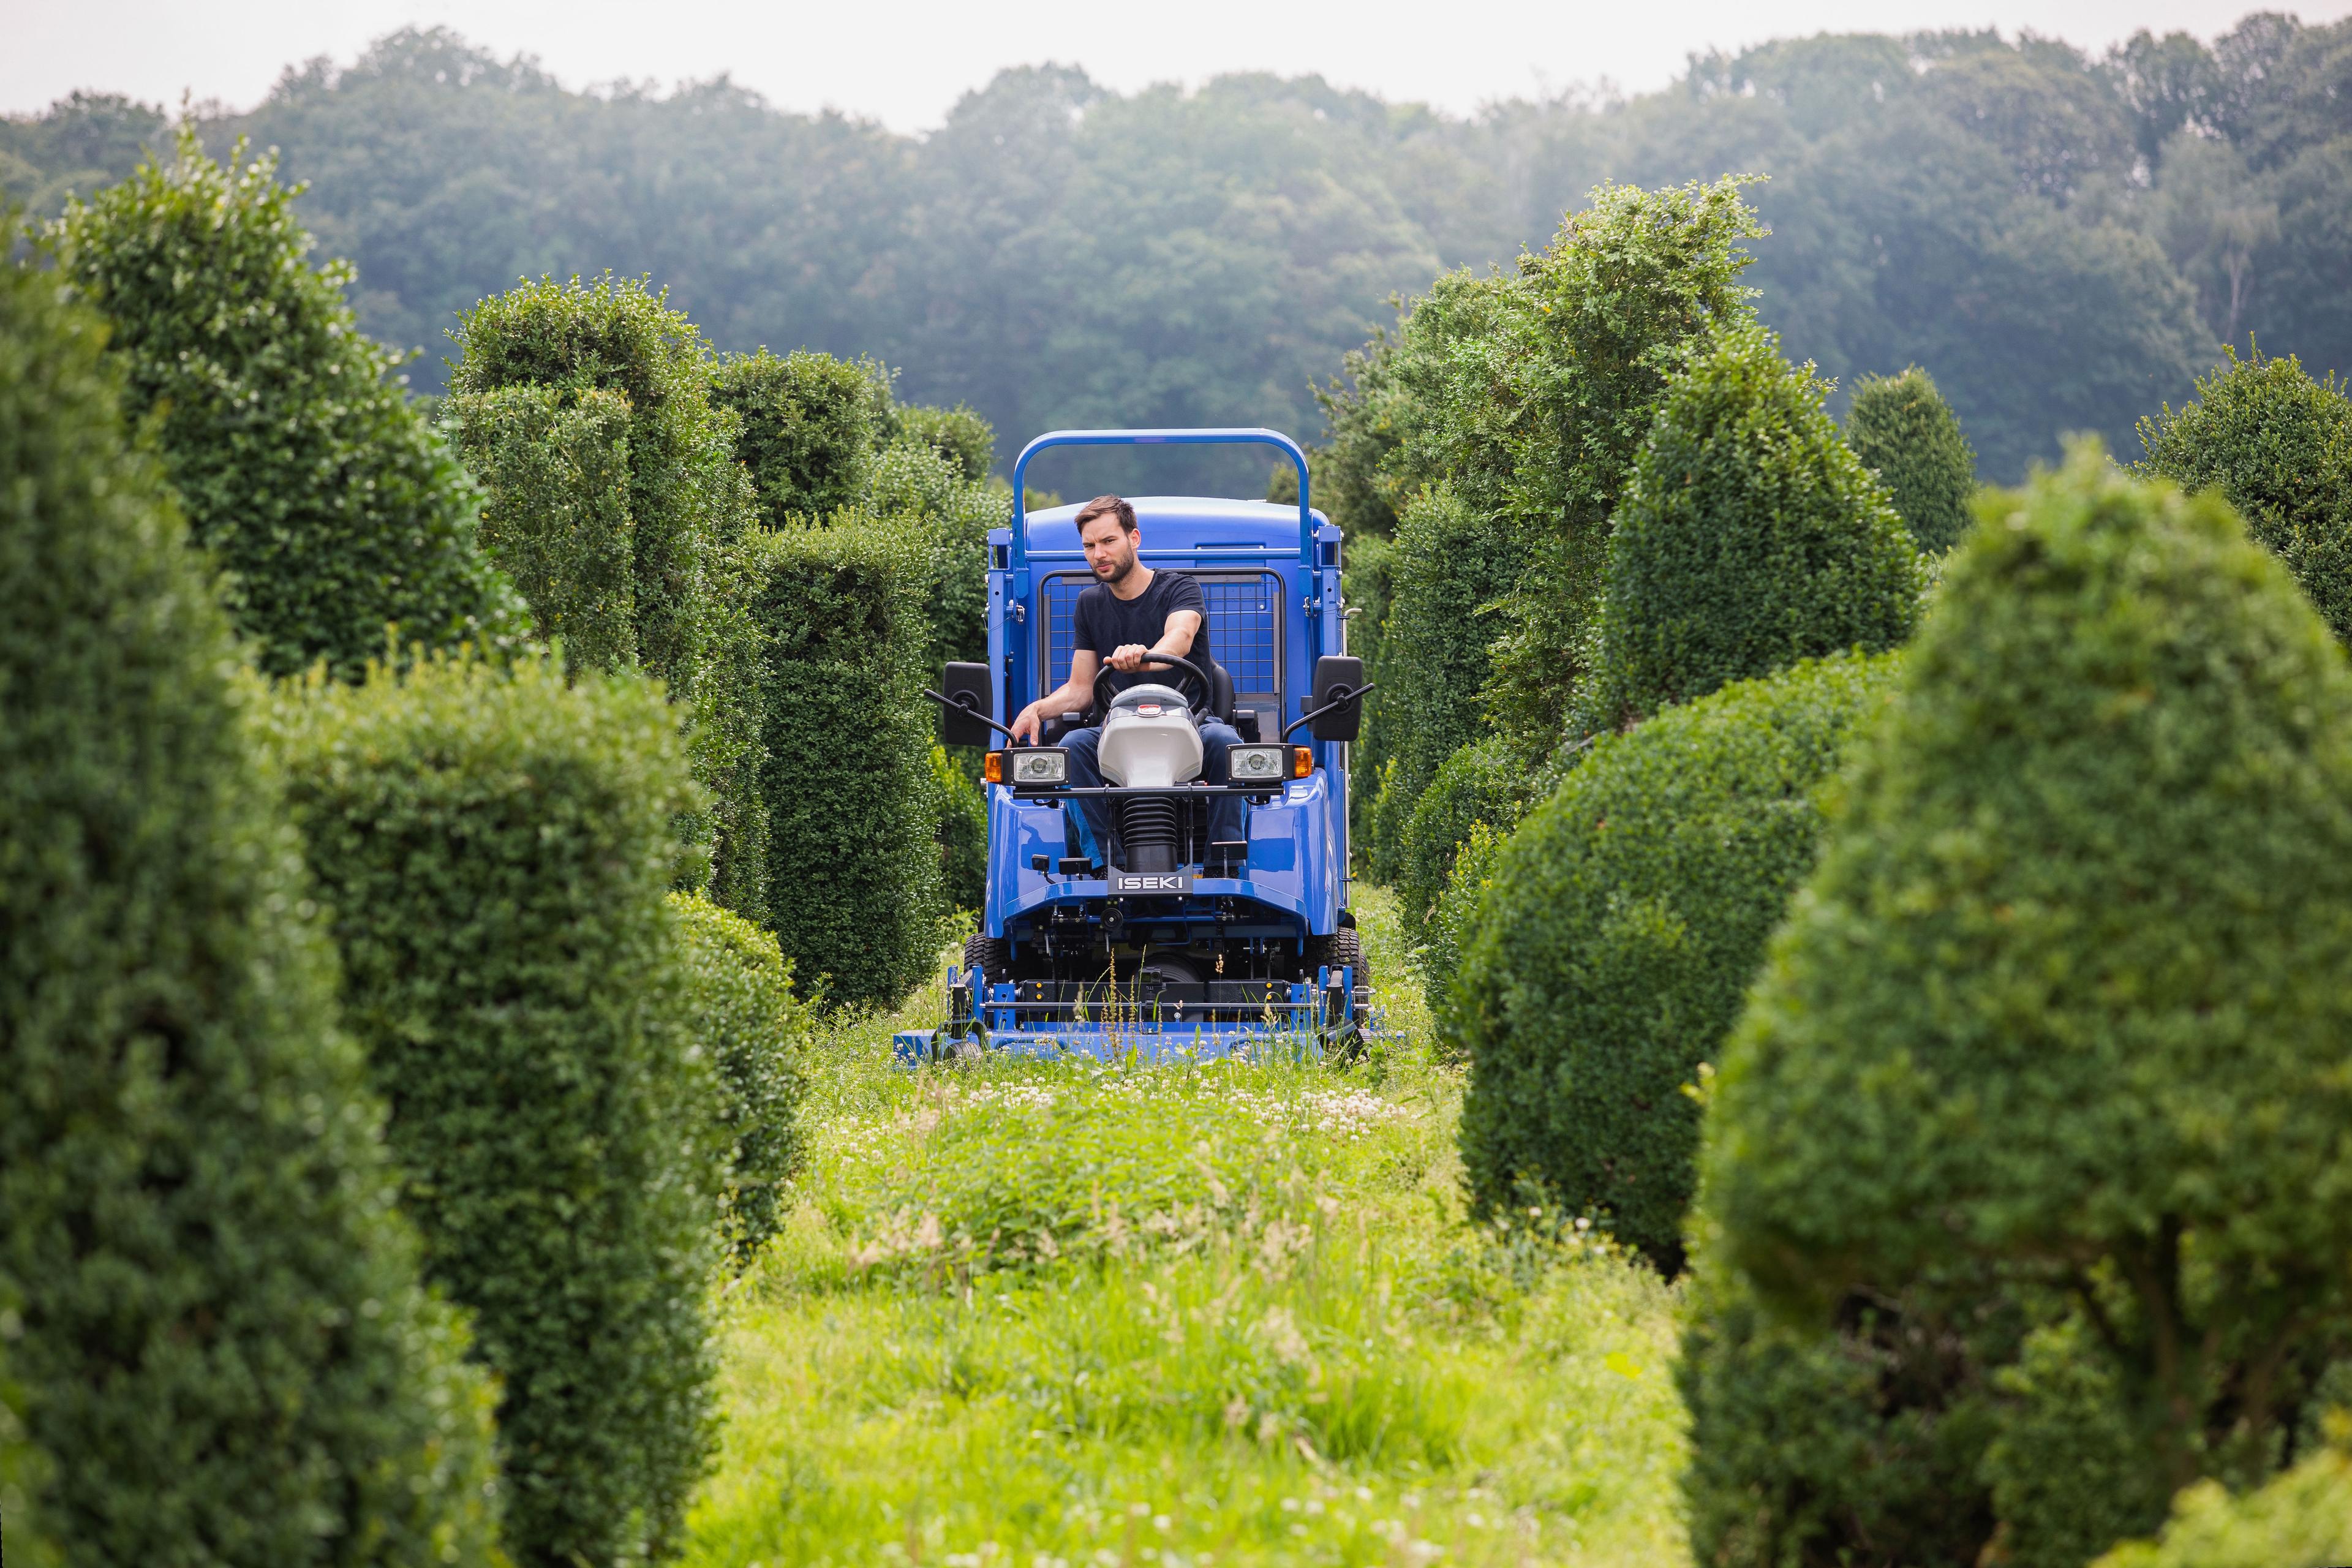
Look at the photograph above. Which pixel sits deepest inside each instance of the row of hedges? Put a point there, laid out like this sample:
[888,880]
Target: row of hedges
[216,1339]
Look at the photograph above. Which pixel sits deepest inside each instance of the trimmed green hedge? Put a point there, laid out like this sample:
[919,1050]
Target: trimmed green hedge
[964,830]
[1902,429]
[1627,916]
[1450,563]
[806,428]
[2278,445]
[1483,782]
[1858,1440]
[685,498]
[1748,538]
[495,849]
[741,1011]
[556,515]
[215,1331]
[925,492]
[855,857]
[958,434]
[333,508]
[2062,1002]
[615,493]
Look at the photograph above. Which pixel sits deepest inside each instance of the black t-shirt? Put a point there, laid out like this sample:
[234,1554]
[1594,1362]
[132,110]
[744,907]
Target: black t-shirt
[1104,623]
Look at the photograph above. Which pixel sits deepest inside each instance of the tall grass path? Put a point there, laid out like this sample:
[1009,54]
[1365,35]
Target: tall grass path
[1033,1316]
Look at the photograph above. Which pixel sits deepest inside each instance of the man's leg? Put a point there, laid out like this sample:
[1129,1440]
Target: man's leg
[1093,817]
[1228,814]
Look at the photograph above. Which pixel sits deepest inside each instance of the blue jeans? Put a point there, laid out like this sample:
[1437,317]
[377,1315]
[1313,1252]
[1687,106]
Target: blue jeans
[1227,824]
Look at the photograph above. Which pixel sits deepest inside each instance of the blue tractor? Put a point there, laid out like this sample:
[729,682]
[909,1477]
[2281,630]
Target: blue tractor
[1178,946]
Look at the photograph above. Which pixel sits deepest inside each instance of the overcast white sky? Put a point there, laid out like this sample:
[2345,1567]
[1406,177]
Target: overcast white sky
[904,62]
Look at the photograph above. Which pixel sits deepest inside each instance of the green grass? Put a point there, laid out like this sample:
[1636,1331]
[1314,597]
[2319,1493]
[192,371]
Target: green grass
[1053,1316]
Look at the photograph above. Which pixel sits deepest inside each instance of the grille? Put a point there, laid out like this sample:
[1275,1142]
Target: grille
[1245,631]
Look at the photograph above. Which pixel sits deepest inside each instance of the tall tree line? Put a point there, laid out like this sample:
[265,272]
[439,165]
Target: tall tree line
[2064,240]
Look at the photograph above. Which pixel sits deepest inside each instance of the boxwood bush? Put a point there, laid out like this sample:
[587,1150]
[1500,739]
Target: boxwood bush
[913,483]
[741,1012]
[1482,783]
[1627,915]
[1901,429]
[960,435]
[613,490]
[495,849]
[807,424]
[1450,563]
[333,509]
[2278,445]
[1749,537]
[2062,1001]
[853,862]
[215,1333]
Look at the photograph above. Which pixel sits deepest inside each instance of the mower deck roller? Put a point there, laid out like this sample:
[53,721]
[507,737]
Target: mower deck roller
[1178,946]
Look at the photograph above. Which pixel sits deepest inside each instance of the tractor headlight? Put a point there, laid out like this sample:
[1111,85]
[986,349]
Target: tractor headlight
[1256,765]
[1039,765]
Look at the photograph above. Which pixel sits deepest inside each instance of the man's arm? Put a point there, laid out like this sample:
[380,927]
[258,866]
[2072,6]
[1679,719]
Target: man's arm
[1071,696]
[1182,627]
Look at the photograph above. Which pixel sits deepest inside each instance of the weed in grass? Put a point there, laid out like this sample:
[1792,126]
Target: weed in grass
[1045,1316]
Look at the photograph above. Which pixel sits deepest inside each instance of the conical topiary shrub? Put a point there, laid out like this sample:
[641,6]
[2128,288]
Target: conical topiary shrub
[2064,1003]
[2278,445]
[1901,427]
[1749,537]
[333,508]
[217,1337]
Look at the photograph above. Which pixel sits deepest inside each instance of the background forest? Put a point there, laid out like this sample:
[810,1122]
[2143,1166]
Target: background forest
[2064,240]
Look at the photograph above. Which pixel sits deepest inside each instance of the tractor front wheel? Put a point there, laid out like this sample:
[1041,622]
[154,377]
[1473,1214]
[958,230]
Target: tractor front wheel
[992,957]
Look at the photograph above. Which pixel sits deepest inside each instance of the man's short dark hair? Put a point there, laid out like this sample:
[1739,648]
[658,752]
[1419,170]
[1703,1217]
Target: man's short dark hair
[1106,506]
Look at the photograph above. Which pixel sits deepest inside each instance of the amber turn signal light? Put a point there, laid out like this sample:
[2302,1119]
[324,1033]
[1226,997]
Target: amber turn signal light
[991,767]
[1302,760]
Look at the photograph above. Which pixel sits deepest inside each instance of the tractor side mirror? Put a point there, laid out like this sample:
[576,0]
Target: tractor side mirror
[1335,672]
[964,682]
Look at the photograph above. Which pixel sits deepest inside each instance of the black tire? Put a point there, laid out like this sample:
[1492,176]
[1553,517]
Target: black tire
[1343,948]
[989,952]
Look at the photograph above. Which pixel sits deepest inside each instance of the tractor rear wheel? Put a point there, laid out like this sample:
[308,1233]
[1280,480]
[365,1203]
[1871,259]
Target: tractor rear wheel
[990,953]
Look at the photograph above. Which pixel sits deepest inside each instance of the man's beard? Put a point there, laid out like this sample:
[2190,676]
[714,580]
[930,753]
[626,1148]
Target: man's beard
[1117,574]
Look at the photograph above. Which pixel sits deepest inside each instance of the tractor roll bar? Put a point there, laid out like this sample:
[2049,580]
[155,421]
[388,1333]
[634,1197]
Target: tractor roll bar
[1255,437]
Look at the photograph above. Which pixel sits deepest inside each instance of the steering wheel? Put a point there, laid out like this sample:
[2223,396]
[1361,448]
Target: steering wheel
[1182,666]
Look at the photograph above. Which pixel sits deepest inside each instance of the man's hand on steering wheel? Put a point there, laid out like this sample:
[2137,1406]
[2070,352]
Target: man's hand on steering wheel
[1130,658]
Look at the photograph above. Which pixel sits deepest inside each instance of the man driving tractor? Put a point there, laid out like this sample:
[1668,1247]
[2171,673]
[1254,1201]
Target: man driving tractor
[1126,615]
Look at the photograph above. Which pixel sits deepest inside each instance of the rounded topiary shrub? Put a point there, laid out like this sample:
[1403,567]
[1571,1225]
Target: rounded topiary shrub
[2278,447]
[215,1335]
[1749,537]
[334,510]
[1626,917]
[2064,1000]
[495,849]
[806,428]
[1901,427]
[739,1009]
